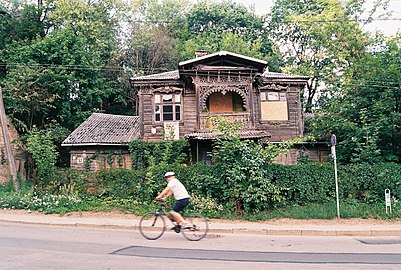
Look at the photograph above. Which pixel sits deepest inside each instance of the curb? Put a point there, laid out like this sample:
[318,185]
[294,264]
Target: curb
[288,232]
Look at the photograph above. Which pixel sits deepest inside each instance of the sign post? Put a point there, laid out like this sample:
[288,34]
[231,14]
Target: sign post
[388,200]
[333,141]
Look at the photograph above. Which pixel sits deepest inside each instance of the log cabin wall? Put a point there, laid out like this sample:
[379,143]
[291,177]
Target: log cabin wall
[286,121]
[153,129]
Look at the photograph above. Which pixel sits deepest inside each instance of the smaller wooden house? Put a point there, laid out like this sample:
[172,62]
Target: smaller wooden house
[101,142]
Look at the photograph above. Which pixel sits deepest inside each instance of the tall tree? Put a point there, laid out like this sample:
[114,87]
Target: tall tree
[214,25]
[64,75]
[366,116]
[318,38]
[150,45]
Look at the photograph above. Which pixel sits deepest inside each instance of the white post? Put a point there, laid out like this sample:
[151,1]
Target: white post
[333,153]
[387,197]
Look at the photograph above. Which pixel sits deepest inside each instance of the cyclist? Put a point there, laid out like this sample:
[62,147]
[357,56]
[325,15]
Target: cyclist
[176,188]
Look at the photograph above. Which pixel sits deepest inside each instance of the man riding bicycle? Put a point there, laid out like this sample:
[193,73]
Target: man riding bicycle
[176,188]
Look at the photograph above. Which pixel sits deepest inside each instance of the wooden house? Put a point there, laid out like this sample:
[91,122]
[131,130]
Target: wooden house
[181,103]
[101,142]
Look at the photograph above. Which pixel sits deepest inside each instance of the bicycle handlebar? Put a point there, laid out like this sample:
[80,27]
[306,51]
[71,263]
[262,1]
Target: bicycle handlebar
[161,202]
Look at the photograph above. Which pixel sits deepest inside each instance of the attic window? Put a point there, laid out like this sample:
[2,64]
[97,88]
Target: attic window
[167,107]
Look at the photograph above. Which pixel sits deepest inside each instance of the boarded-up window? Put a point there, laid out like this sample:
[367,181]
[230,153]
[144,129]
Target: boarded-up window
[230,102]
[274,106]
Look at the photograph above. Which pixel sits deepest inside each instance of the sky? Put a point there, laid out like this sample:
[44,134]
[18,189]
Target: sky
[389,27]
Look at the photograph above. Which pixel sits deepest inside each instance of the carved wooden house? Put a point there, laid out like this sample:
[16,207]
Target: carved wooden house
[239,88]
[180,103]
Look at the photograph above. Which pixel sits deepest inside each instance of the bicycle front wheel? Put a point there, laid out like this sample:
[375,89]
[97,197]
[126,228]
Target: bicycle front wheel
[196,228]
[152,226]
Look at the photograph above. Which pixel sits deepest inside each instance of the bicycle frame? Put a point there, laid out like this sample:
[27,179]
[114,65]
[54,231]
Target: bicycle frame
[162,211]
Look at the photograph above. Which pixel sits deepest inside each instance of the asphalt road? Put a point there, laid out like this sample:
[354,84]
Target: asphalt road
[51,247]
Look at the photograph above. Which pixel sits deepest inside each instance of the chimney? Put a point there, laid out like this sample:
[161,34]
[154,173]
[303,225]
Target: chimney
[200,53]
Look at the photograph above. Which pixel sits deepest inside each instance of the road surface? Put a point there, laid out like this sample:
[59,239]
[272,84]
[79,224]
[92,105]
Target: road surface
[52,247]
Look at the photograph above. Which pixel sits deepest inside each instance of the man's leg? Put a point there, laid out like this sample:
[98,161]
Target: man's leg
[179,219]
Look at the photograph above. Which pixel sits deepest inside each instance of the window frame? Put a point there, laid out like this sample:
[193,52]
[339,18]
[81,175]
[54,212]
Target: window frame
[159,106]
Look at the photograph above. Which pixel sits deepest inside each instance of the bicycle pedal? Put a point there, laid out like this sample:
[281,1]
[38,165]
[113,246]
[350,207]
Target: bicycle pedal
[177,228]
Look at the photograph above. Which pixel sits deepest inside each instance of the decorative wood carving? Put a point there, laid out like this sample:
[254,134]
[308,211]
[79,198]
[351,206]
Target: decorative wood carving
[276,87]
[163,89]
[167,89]
[208,85]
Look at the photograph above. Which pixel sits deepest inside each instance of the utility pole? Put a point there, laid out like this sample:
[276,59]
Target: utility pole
[7,144]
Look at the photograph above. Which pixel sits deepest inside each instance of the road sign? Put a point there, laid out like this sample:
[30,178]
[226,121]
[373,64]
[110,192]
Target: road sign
[333,139]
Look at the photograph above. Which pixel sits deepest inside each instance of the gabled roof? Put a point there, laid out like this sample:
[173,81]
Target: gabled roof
[224,58]
[219,54]
[218,61]
[104,129]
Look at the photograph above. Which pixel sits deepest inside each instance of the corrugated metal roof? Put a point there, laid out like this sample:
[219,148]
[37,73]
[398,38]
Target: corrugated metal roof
[101,129]
[169,75]
[243,134]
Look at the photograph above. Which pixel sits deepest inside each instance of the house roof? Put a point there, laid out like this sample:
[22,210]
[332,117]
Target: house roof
[175,75]
[243,134]
[219,54]
[169,75]
[209,61]
[104,129]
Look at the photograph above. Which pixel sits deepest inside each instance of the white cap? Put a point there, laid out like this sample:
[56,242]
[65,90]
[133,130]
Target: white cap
[167,174]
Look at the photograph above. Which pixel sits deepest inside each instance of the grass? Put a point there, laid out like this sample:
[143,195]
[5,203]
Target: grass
[324,211]
[69,200]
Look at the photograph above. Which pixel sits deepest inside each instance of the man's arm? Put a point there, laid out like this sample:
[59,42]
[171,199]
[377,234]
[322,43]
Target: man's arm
[165,194]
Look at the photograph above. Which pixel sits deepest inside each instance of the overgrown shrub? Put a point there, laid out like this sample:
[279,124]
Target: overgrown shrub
[315,182]
[145,154]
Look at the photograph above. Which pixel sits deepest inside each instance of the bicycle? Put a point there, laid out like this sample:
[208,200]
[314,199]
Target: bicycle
[153,225]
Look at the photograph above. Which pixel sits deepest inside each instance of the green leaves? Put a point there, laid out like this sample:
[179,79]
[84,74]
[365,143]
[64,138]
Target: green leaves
[364,114]
[44,153]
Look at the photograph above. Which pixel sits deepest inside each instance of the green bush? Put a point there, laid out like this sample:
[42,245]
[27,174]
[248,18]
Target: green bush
[145,154]
[315,182]
[307,183]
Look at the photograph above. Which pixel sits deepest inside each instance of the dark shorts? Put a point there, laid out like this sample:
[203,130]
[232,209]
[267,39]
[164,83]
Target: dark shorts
[180,205]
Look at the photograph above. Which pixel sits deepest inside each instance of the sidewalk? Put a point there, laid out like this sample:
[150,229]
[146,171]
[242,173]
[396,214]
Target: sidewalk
[338,227]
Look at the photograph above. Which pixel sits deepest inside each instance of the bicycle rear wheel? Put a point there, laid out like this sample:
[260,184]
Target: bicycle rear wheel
[152,226]
[197,227]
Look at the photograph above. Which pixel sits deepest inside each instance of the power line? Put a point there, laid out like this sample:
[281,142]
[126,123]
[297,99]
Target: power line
[82,67]
[369,83]
[344,20]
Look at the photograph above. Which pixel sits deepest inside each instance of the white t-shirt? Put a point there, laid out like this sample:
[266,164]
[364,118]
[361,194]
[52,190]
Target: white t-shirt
[178,189]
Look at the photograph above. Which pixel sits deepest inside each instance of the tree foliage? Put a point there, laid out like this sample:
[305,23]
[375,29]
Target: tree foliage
[366,115]
[63,75]
[319,39]
[225,25]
